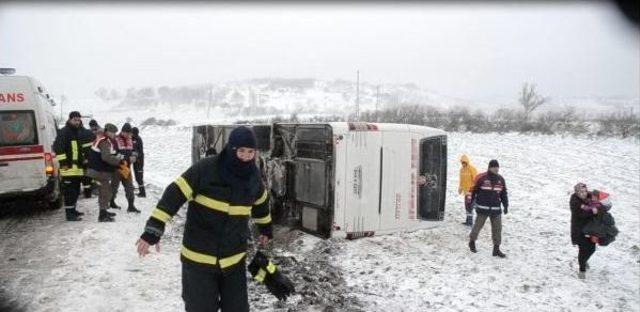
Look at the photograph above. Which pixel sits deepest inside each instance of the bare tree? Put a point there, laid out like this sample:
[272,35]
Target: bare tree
[530,99]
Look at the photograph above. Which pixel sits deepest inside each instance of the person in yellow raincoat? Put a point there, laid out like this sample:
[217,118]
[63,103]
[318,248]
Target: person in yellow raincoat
[467,175]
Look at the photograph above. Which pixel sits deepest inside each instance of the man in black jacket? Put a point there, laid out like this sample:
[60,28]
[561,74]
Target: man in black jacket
[579,218]
[138,166]
[223,192]
[68,149]
[489,192]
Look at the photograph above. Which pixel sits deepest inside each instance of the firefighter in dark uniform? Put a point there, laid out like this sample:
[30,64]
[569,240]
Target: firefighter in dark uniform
[68,149]
[138,166]
[223,192]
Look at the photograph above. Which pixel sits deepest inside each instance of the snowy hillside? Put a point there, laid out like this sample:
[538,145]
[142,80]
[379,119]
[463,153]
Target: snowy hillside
[53,265]
[269,97]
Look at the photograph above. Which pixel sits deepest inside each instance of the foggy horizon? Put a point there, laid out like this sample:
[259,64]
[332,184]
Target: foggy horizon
[480,52]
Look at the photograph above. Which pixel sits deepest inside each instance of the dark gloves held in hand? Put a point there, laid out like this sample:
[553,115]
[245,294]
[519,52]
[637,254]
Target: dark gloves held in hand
[266,272]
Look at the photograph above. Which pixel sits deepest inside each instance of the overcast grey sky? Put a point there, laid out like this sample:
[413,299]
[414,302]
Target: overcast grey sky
[472,51]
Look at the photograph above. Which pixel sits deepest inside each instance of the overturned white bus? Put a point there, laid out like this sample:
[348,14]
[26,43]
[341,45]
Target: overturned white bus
[344,179]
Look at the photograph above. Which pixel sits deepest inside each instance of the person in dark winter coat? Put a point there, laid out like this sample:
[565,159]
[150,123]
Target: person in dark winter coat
[67,147]
[124,147]
[94,127]
[86,137]
[489,193]
[579,218]
[103,164]
[138,166]
[223,191]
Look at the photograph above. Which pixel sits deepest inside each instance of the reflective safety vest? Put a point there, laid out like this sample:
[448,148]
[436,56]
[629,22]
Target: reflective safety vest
[95,156]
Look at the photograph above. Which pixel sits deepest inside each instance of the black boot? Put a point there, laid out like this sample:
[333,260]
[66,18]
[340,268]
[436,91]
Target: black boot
[142,192]
[72,214]
[113,204]
[78,213]
[468,221]
[105,217]
[111,214]
[131,207]
[87,192]
[472,246]
[497,252]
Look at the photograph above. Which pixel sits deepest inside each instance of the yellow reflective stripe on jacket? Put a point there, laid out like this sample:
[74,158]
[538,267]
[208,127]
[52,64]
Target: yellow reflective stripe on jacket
[261,275]
[61,157]
[160,215]
[74,150]
[229,261]
[263,220]
[73,171]
[208,259]
[223,206]
[262,198]
[184,186]
[198,257]
[87,144]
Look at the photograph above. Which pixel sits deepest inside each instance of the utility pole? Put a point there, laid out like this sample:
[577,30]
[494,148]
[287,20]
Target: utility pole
[210,99]
[358,95]
[62,98]
[377,95]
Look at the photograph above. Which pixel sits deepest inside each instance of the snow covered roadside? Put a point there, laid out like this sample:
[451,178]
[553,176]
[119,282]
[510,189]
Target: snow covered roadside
[434,270]
[53,265]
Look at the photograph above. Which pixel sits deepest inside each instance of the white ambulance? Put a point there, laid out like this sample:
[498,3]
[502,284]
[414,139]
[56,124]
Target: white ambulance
[28,127]
[345,179]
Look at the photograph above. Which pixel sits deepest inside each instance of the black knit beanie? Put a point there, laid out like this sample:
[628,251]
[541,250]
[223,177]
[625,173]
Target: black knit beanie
[494,164]
[126,128]
[242,137]
[74,114]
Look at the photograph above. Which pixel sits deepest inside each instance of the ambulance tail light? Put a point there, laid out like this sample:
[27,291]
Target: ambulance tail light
[48,164]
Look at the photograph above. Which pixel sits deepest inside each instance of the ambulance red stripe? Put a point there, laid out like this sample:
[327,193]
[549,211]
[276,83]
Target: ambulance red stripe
[21,150]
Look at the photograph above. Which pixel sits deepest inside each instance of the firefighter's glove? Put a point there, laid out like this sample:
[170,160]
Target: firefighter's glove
[506,210]
[266,272]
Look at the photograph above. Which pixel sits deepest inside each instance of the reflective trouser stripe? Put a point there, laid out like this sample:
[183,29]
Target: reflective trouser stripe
[212,260]
[61,157]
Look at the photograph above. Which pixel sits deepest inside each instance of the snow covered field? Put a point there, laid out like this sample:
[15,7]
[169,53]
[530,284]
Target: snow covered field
[52,265]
